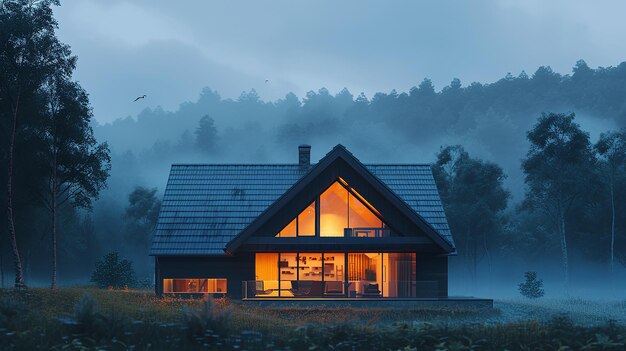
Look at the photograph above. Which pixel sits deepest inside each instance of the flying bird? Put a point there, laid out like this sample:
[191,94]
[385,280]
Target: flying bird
[267,81]
[140,97]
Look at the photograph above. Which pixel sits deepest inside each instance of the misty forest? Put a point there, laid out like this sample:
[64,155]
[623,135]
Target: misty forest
[531,168]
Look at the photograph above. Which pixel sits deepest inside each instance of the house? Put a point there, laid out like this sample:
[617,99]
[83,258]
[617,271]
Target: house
[338,229]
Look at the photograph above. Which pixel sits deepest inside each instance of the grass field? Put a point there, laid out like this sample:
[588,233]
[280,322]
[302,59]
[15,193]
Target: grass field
[87,318]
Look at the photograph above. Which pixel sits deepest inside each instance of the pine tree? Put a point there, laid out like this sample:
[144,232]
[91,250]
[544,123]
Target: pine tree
[532,288]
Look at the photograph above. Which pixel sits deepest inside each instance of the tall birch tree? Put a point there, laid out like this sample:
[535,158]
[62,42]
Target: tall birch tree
[557,166]
[26,42]
[611,149]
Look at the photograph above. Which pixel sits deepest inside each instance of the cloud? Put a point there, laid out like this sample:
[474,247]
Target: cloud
[124,23]
[234,46]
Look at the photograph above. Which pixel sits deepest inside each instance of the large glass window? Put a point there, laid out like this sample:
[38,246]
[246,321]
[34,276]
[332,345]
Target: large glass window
[334,211]
[289,230]
[365,274]
[194,286]
[341,213]
[334,266]
[288,266]
[360,216]
[266,266]
[306,221]
[266,275]
[311,266]
[303,225]
[399,274]
[305,274]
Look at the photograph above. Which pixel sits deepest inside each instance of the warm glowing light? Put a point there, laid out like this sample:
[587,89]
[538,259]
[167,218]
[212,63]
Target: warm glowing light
[339,209]
[334,210]
[306,221]
[194,286]
[289,230]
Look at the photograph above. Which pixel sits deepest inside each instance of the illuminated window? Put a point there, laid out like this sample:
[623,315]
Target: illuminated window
[307,274]
[399,273]
[334,266]
[360,216]
[266,271]
[306,221]
[365,274]
[289,230]
[339,209]
[266,266]
[303,225]
[311,266]
[334,211]
[194,286]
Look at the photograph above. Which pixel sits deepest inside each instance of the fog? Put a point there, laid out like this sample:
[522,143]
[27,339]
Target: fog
[394,83]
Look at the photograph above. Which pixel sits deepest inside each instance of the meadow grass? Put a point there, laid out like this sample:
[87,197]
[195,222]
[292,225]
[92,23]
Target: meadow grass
[84,318]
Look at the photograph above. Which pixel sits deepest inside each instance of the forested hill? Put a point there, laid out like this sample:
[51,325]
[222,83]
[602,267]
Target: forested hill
[489,119]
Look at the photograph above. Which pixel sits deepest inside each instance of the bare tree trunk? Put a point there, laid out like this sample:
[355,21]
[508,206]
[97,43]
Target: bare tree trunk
[27,263]
[475,263]
[53,209]
[488,257]
[19,273]
[1,264]
[612,225]
[564,246]
[54,235]
[468,257]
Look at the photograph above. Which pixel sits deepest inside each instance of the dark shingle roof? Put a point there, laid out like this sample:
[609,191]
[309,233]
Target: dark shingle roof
[205,206]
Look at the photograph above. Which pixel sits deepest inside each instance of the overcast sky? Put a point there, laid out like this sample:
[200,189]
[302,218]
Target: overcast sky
[170,51]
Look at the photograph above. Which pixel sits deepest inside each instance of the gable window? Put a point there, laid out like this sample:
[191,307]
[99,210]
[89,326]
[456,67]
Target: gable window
[290,230]
[334,211]
[342,212]
[303,225]
[306,221]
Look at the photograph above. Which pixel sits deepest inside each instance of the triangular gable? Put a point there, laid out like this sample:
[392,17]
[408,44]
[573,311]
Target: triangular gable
[339,164]
[340,207]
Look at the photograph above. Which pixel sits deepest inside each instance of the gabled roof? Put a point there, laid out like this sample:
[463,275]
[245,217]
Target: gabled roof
[205,207]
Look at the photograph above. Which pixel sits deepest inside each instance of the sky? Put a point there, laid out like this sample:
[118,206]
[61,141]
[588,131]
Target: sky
[170,50]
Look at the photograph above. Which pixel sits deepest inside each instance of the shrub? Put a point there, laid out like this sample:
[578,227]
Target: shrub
[532,288]
[111,272]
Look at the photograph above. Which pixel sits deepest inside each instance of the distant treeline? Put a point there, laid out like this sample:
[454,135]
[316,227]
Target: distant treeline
[422,115]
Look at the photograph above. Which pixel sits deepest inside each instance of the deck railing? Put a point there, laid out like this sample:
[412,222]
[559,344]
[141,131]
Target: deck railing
[366,232]
[359,289]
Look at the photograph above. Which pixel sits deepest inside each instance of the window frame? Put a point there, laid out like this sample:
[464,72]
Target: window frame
[317,204]
[208,282]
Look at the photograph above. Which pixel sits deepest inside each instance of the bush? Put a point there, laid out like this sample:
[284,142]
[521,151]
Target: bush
[532,288]
[111,272]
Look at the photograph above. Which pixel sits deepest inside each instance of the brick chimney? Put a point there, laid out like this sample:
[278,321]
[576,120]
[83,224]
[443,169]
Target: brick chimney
[304,156]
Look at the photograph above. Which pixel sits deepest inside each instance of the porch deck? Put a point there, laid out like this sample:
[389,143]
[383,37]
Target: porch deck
[410,302]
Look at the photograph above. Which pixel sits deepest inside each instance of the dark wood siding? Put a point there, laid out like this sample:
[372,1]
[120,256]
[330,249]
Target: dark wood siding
[432,276]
